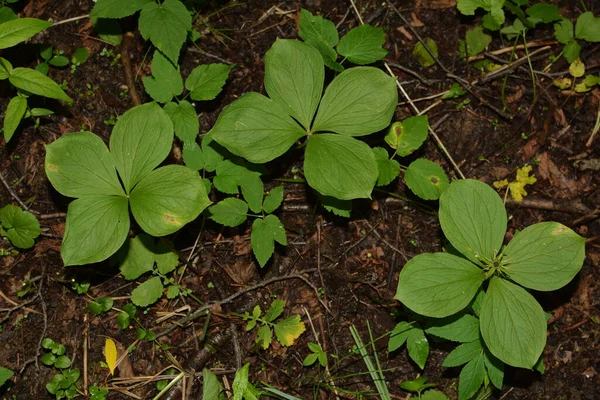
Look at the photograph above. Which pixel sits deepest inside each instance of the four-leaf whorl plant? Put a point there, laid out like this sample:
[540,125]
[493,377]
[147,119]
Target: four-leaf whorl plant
[108,183]
[544,257]
[358,102]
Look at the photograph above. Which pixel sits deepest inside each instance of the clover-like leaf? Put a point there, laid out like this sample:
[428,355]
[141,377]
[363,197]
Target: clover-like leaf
[21,227]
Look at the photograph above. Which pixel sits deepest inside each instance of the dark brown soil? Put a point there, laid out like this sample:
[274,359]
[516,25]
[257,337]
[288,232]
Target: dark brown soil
[353,263]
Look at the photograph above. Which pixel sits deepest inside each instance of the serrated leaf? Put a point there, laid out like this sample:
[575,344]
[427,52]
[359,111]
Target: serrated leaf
[422,55]
[416,385]
[79,164]
[5,375]
[276,309]
[185,121]
[543,12]
[273,199]
[426,179]
[471,378]
[363,45]
[148,292]
[206,81]
[438,285]
[117,8]
[464,328]
[165,81]
[211,387]
[388,169]
[544,256]
[172,292]
[167,199]
[35,82]
[15,111]
[418,347]
[587,27]
[477,41]
[16,31]
[340,166]
[229,212]
[473,219]
[358,102]
[572,51]
[256,128]
[253,191]
[140,141]
[317,28]
[512,324]
[136,256]
[110,354]
[288,330]
[495,369]
[563,31]
[408,135]
[463,353]
[193,156]
[264,233]
[264,337]
[166,26]
[296,86]
[95,229]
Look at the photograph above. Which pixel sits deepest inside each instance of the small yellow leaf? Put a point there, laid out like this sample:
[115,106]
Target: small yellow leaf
[577,68]
[110,354]
[562,83]
[517,188]
[501,184]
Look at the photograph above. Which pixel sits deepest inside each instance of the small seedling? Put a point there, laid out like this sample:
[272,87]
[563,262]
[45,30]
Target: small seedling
[101,305]
[98,393]
[286,330]
[317,354]
[63,384]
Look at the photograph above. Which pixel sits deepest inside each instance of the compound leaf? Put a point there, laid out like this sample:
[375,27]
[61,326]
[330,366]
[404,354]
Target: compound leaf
[426,179]
[544,256]
[206,81]
[79,164]
[21,227]
[363,45]
[264,337]
[165,81]
[495,369]
[148,292]
[288,330]
[438,285]
[16,31]
[294,76]
[229,212]
[358,102]
[473,219]
[35,82]
[340,166]
[275,310]
[14,114]
[185,121]
[400,333]
[513,324]
[96,227]
[167,199]
[193,156]
[117,8]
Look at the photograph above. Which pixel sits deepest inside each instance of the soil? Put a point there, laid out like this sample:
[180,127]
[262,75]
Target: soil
[349,267]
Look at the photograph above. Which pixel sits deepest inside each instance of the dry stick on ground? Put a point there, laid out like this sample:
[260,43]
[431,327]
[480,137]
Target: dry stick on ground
[126,61]
[43,335]
[13,193]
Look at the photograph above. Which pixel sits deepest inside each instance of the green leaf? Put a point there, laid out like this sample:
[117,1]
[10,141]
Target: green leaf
[426,179]
[264,233]
[37,83]
[117,8]
[148,292]
[454,92]
[167,199]
[388,169]
[59,61]
[342,208]
[80,55]
[464,328]
[422,55]
[273,199]
[193,156]
[363,45]
[288,330]
[563,31]
[166,26]
[166,258]
[438,285]
[206,81]
[136,256]
[256,128]
[41,112]
[543,12]
[6,14]
[140,141]
[418,347]
[310,359]
[5,375]
[473,219]
[544,256]
[5,68]
[314,28]
[340,166]
[48,359]
[123,320]
[275,310]
[211,387]
[165,81]
[14,114]
[229,212]
[240,382]
[20,227]
[468,7]
[172,292]
[416,385]
[185,121]
[477,41]
[495,369]
[253,191]
[512,324]
[358,102]
[19,30]
[230,175]
[463,353]
[399,334]
[571,51]
[108,30]
[408,135]
[294,76]
[471,378]
[264,337]
[587,27]
[95,229]
[433,395]
[79,164]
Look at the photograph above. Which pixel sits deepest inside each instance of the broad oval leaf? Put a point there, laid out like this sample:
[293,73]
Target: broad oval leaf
[426,179]
[512,324]
[96,227]
[294,76]
[340,166]
[473,219]
[288,330]
[167,199]
[117,8]
[148,292]
[79,164]
[358,102]
[544,256]
[438,285]
[35,82]
[408,135]
[14,114]
[256,128]
[18,30]
[206,81]
[363,45]
[140,141]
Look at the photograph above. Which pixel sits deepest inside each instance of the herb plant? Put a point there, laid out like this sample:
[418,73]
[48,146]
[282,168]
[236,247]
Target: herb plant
[64,384]
[107,183]
[19,226]
[478,297]
[286,330]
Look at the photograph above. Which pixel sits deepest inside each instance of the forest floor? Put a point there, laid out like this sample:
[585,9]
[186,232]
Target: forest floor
[335,272]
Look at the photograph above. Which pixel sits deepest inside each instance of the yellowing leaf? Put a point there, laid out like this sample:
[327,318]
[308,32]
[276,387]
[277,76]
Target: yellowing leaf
[288,330]
[517,188]
[562,83]
[500,184]
[577,68]
[110,354]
